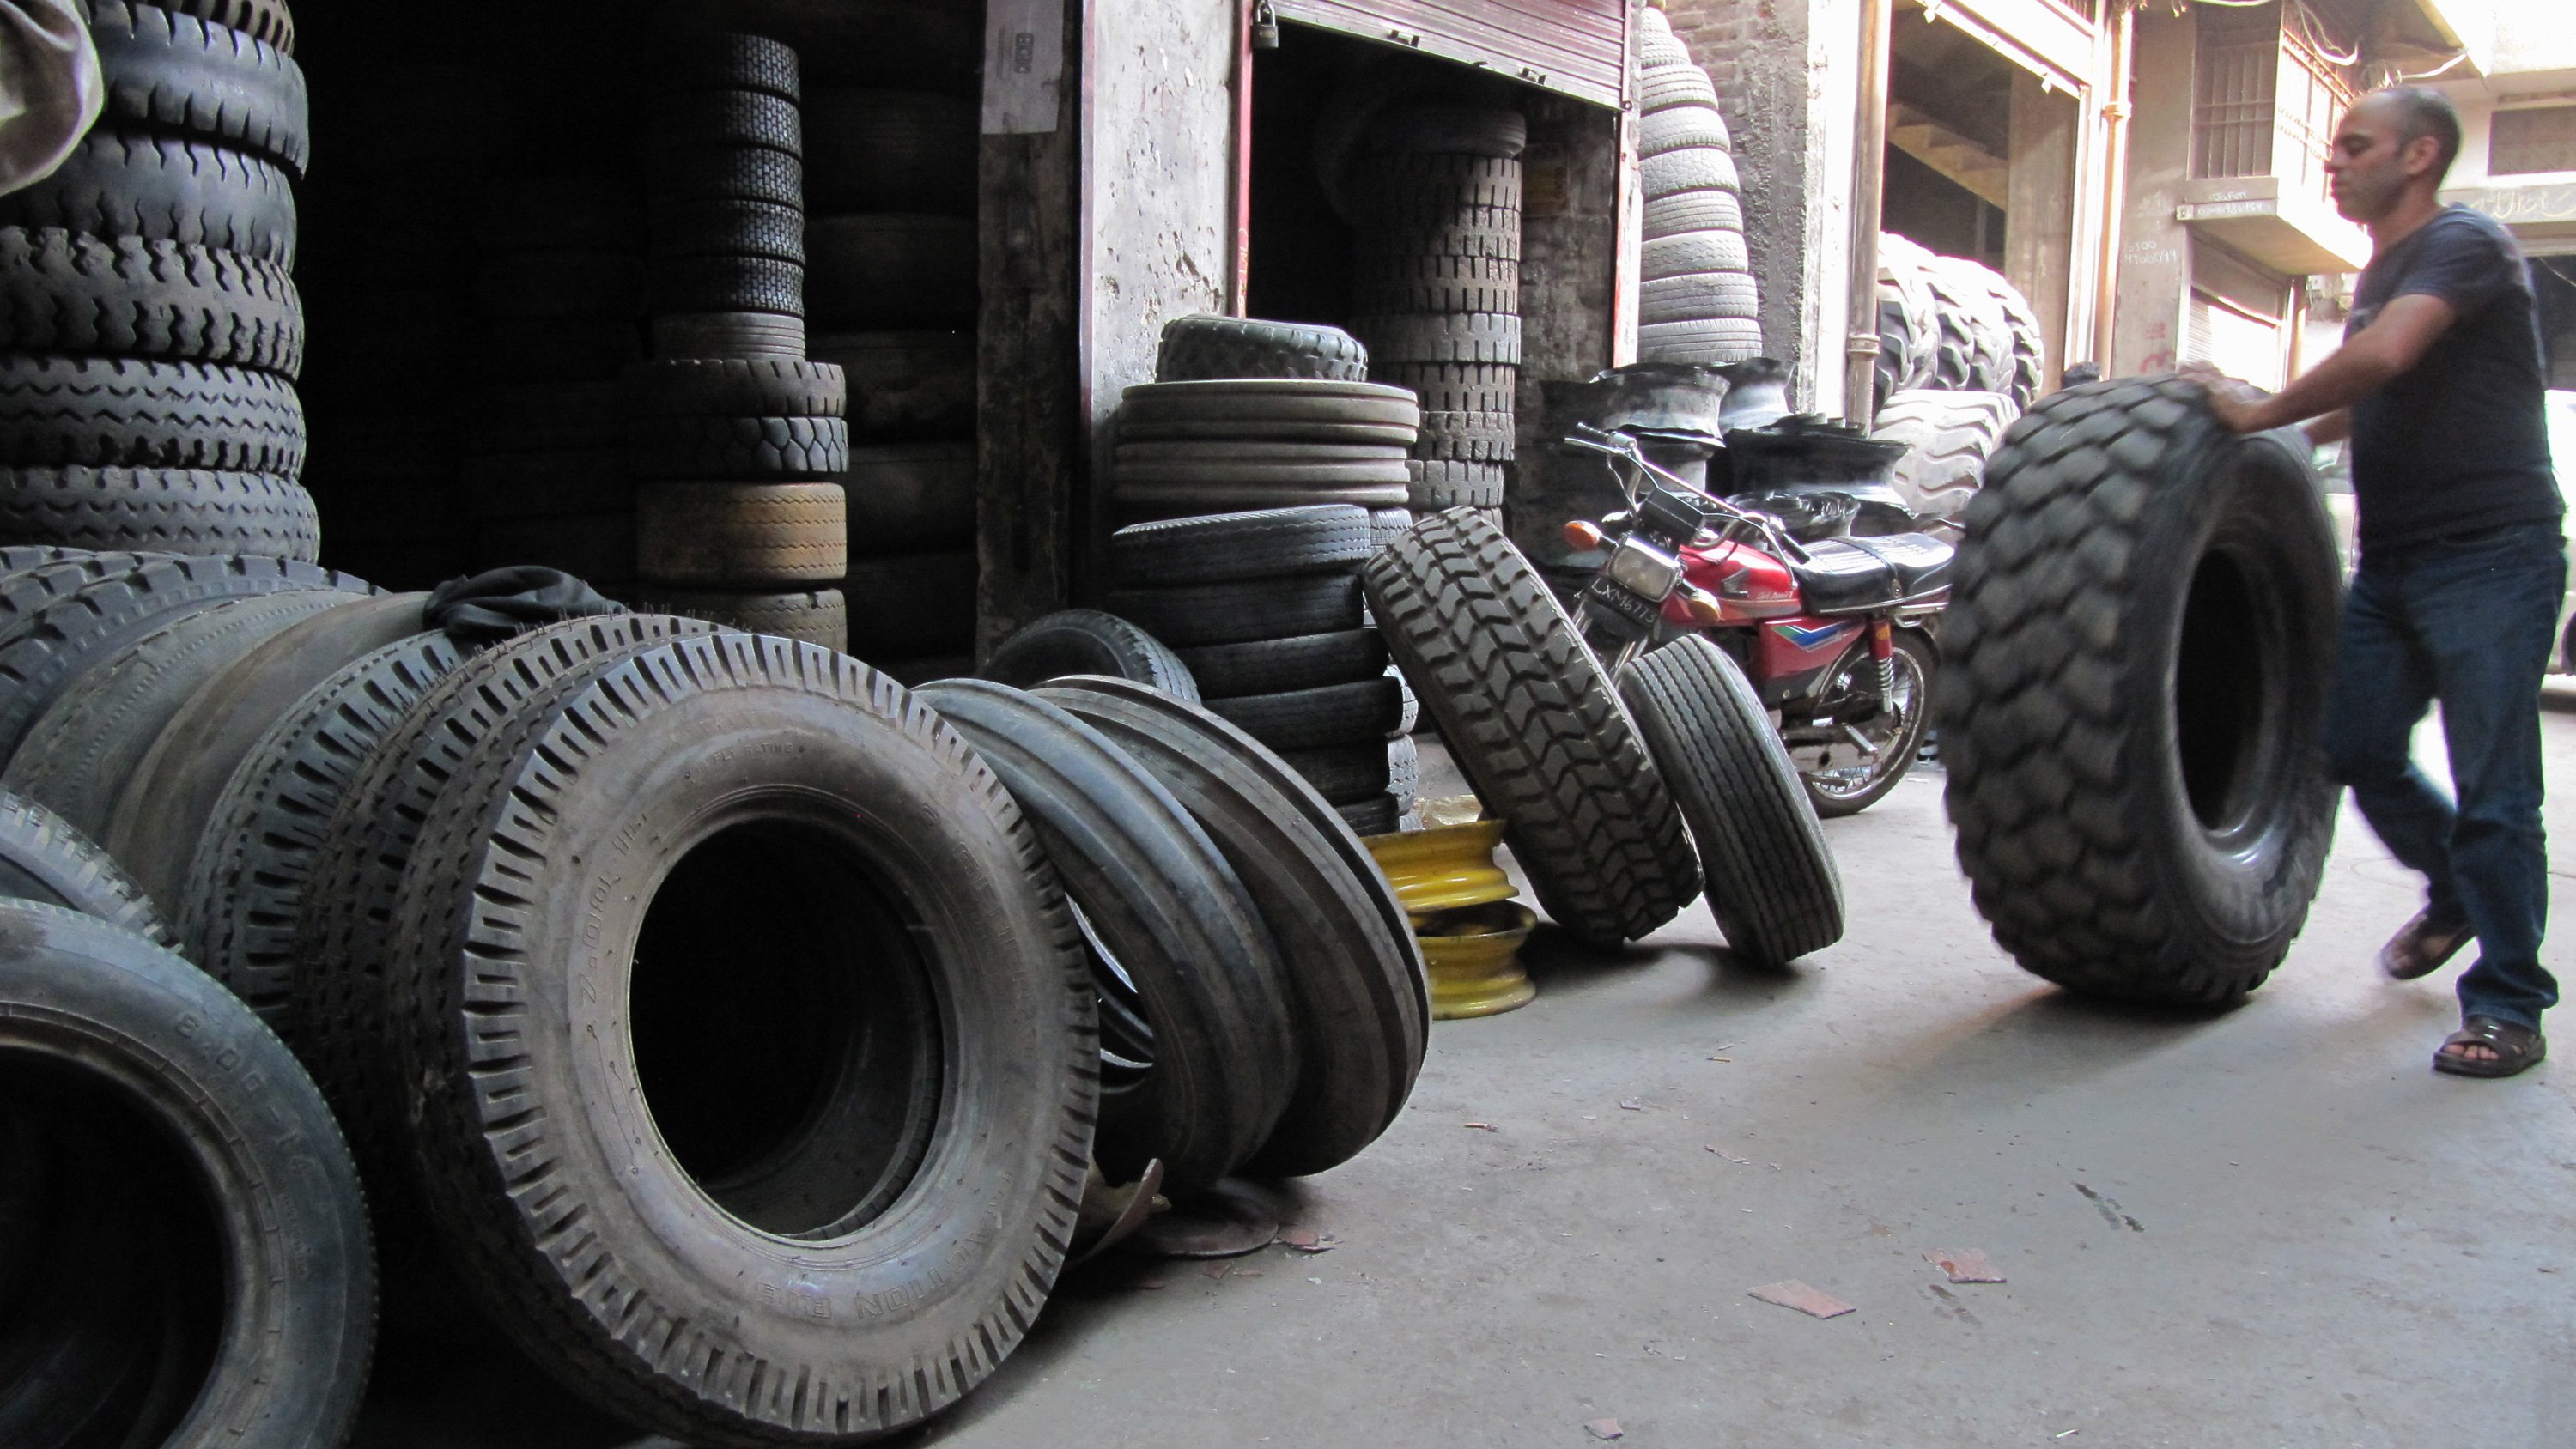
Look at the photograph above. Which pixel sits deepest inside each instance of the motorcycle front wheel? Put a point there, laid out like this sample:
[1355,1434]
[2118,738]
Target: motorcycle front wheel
[1847,776]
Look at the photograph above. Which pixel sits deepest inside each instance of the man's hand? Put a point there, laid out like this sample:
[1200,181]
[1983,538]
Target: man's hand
[2235,404]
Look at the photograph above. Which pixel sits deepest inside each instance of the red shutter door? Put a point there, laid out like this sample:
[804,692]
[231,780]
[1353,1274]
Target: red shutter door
[1578,47]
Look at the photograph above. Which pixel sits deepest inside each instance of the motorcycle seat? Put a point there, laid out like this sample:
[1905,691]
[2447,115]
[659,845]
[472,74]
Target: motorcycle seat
[1854,575]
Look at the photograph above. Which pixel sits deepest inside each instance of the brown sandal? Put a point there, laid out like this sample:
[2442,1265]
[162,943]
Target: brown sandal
[2516,1047]
[2422,946]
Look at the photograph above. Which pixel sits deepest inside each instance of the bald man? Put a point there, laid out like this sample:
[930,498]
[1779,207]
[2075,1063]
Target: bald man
[2440,387]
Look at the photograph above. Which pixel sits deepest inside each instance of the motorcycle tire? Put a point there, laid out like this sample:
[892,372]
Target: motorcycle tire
[1915,671]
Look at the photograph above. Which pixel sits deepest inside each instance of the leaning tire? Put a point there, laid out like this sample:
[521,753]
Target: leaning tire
[770,791]
[1771,877]
[1087,641]
[2134,691]
[1354,974]
[1535,725]
[1164,902]
[213,1121]
[43,859]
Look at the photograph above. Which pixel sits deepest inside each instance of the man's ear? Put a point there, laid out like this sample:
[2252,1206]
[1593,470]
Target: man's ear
[2419,155]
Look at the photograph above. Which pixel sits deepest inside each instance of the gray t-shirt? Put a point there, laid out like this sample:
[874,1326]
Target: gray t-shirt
[2459,443]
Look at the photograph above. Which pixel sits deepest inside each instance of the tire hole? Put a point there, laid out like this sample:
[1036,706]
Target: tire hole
[787,1037]
[2222,679]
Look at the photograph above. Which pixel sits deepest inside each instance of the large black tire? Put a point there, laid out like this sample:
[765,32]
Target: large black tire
[699,60]
[1086,641]
[2134,689]
[259,1273]
[170,71]
[1212,548]
[1164,903]
[2012,350]
[162,805]
[1974,353]
[1535,725]
[43,859]
[1320,717]
[722,387]
[1771,877]
[65,292]
[1948,436]
[108,412]
[161,188]
[172,510]
[729,284]
[723,228]
[43,651]
[1233,613]
[89,742]
[727,118]
[1303,661]
[1354,974]
[1480,338]
[1205,347]
[244,889]
[266,20]
[845,1093]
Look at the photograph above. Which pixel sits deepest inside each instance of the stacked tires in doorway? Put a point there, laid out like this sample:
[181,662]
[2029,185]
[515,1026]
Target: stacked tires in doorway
[1698,302]
[147,396]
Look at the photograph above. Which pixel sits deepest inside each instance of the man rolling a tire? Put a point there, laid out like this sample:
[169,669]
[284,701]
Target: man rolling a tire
[2440,387]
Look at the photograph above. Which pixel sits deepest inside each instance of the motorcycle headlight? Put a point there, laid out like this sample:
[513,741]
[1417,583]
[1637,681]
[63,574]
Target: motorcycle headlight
[1641,568]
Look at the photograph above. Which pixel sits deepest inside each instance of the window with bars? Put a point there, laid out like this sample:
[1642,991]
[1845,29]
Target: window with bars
[2265,98]
[2540,138]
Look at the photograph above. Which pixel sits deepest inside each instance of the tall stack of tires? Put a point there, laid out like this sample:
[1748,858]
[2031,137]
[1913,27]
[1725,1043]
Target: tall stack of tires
[1436,283]
[1698,301]
[1959,357]
[735,437]
[890,180]
[153,332]
[559,298]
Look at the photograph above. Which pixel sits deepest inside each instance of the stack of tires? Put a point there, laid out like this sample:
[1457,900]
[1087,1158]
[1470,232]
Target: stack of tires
[153,333]
[1959,357]
[1264,611]
[1248,414]
[735,436]
[1436,282]
[1698,301]
[559,294]
[891,184]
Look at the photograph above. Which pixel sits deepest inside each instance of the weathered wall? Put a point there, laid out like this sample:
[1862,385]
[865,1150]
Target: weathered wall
[1570,244]
[2155,249]
[1158,162]
[1785,77]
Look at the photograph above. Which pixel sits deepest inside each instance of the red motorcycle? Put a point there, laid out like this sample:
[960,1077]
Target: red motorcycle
[1836,634]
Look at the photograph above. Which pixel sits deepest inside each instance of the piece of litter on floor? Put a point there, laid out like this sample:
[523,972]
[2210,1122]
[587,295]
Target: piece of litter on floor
[1721,1059]
[1481,1126]
[1604,1429]
[1964,1265]
[1588,1117]
[1217,1270]
[1248,1273]
[2070,1431]
[1631,1104]
[1144,1283]
[1790,1293]
[1316,1281]
[1731,1157]
[1307,1240]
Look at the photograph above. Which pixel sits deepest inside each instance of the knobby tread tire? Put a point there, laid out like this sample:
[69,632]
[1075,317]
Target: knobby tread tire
[1949,437]
[1087,641]
[44,859]
[106,412]
[163,188]
[1487,338]
[730,61]
[1263,544]
[161,510]
[167,70]
[1457,387]
[1204,346]
[1535,725]
[65,292]
[1468,437]
[1439,484]
[2067,644]
[1772,882]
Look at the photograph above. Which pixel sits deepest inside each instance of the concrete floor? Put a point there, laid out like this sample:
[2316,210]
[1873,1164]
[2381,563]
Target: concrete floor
[2271,1226]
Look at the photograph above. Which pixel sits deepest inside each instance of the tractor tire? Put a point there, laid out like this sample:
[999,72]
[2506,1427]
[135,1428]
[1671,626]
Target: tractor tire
[1771,878]
[2133,693]
[1949,436]
[1535,725]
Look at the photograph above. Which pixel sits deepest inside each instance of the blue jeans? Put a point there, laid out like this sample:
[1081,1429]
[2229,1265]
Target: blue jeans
[2469,621]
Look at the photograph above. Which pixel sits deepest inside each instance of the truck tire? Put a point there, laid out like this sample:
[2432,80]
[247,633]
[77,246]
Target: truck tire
[1771,878]
[2133,695]
[1266,544]
[169,71]
[43,859]
[1355,977]
[1205,347]
[753,536]
[757,784]
[1087,641]
[1949,436]
[817,616]
[1316,718]
[1162,899]
[163,188]
[265,1268]
[168,301]
[730,387]
[2013,357]
[1243,610]
[1486,338]
[746,449]
[172,510]
[1535,725]
[113,412]
[1269,666]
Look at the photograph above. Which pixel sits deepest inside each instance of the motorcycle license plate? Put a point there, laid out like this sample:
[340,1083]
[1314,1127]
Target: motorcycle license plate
[1638,613]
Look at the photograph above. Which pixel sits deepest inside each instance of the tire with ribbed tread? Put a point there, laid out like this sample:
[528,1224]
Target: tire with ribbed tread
[162,300]
[1535,724]
[1234,612]
[164,188]
[2133,693]
[1266,543]
[167,510]
[170,71]
[110,412]
[44,859]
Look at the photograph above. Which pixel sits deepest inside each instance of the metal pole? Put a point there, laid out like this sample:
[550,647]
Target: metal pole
[1869,164]
[2115,187]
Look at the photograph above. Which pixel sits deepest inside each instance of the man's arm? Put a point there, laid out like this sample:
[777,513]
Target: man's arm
[2334,427]
[2394,341]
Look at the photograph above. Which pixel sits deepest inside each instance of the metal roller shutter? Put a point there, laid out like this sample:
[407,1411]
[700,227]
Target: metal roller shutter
[1577,47]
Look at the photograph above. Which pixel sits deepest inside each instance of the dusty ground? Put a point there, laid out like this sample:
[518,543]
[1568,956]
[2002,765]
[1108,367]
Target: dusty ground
[2267,1227]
